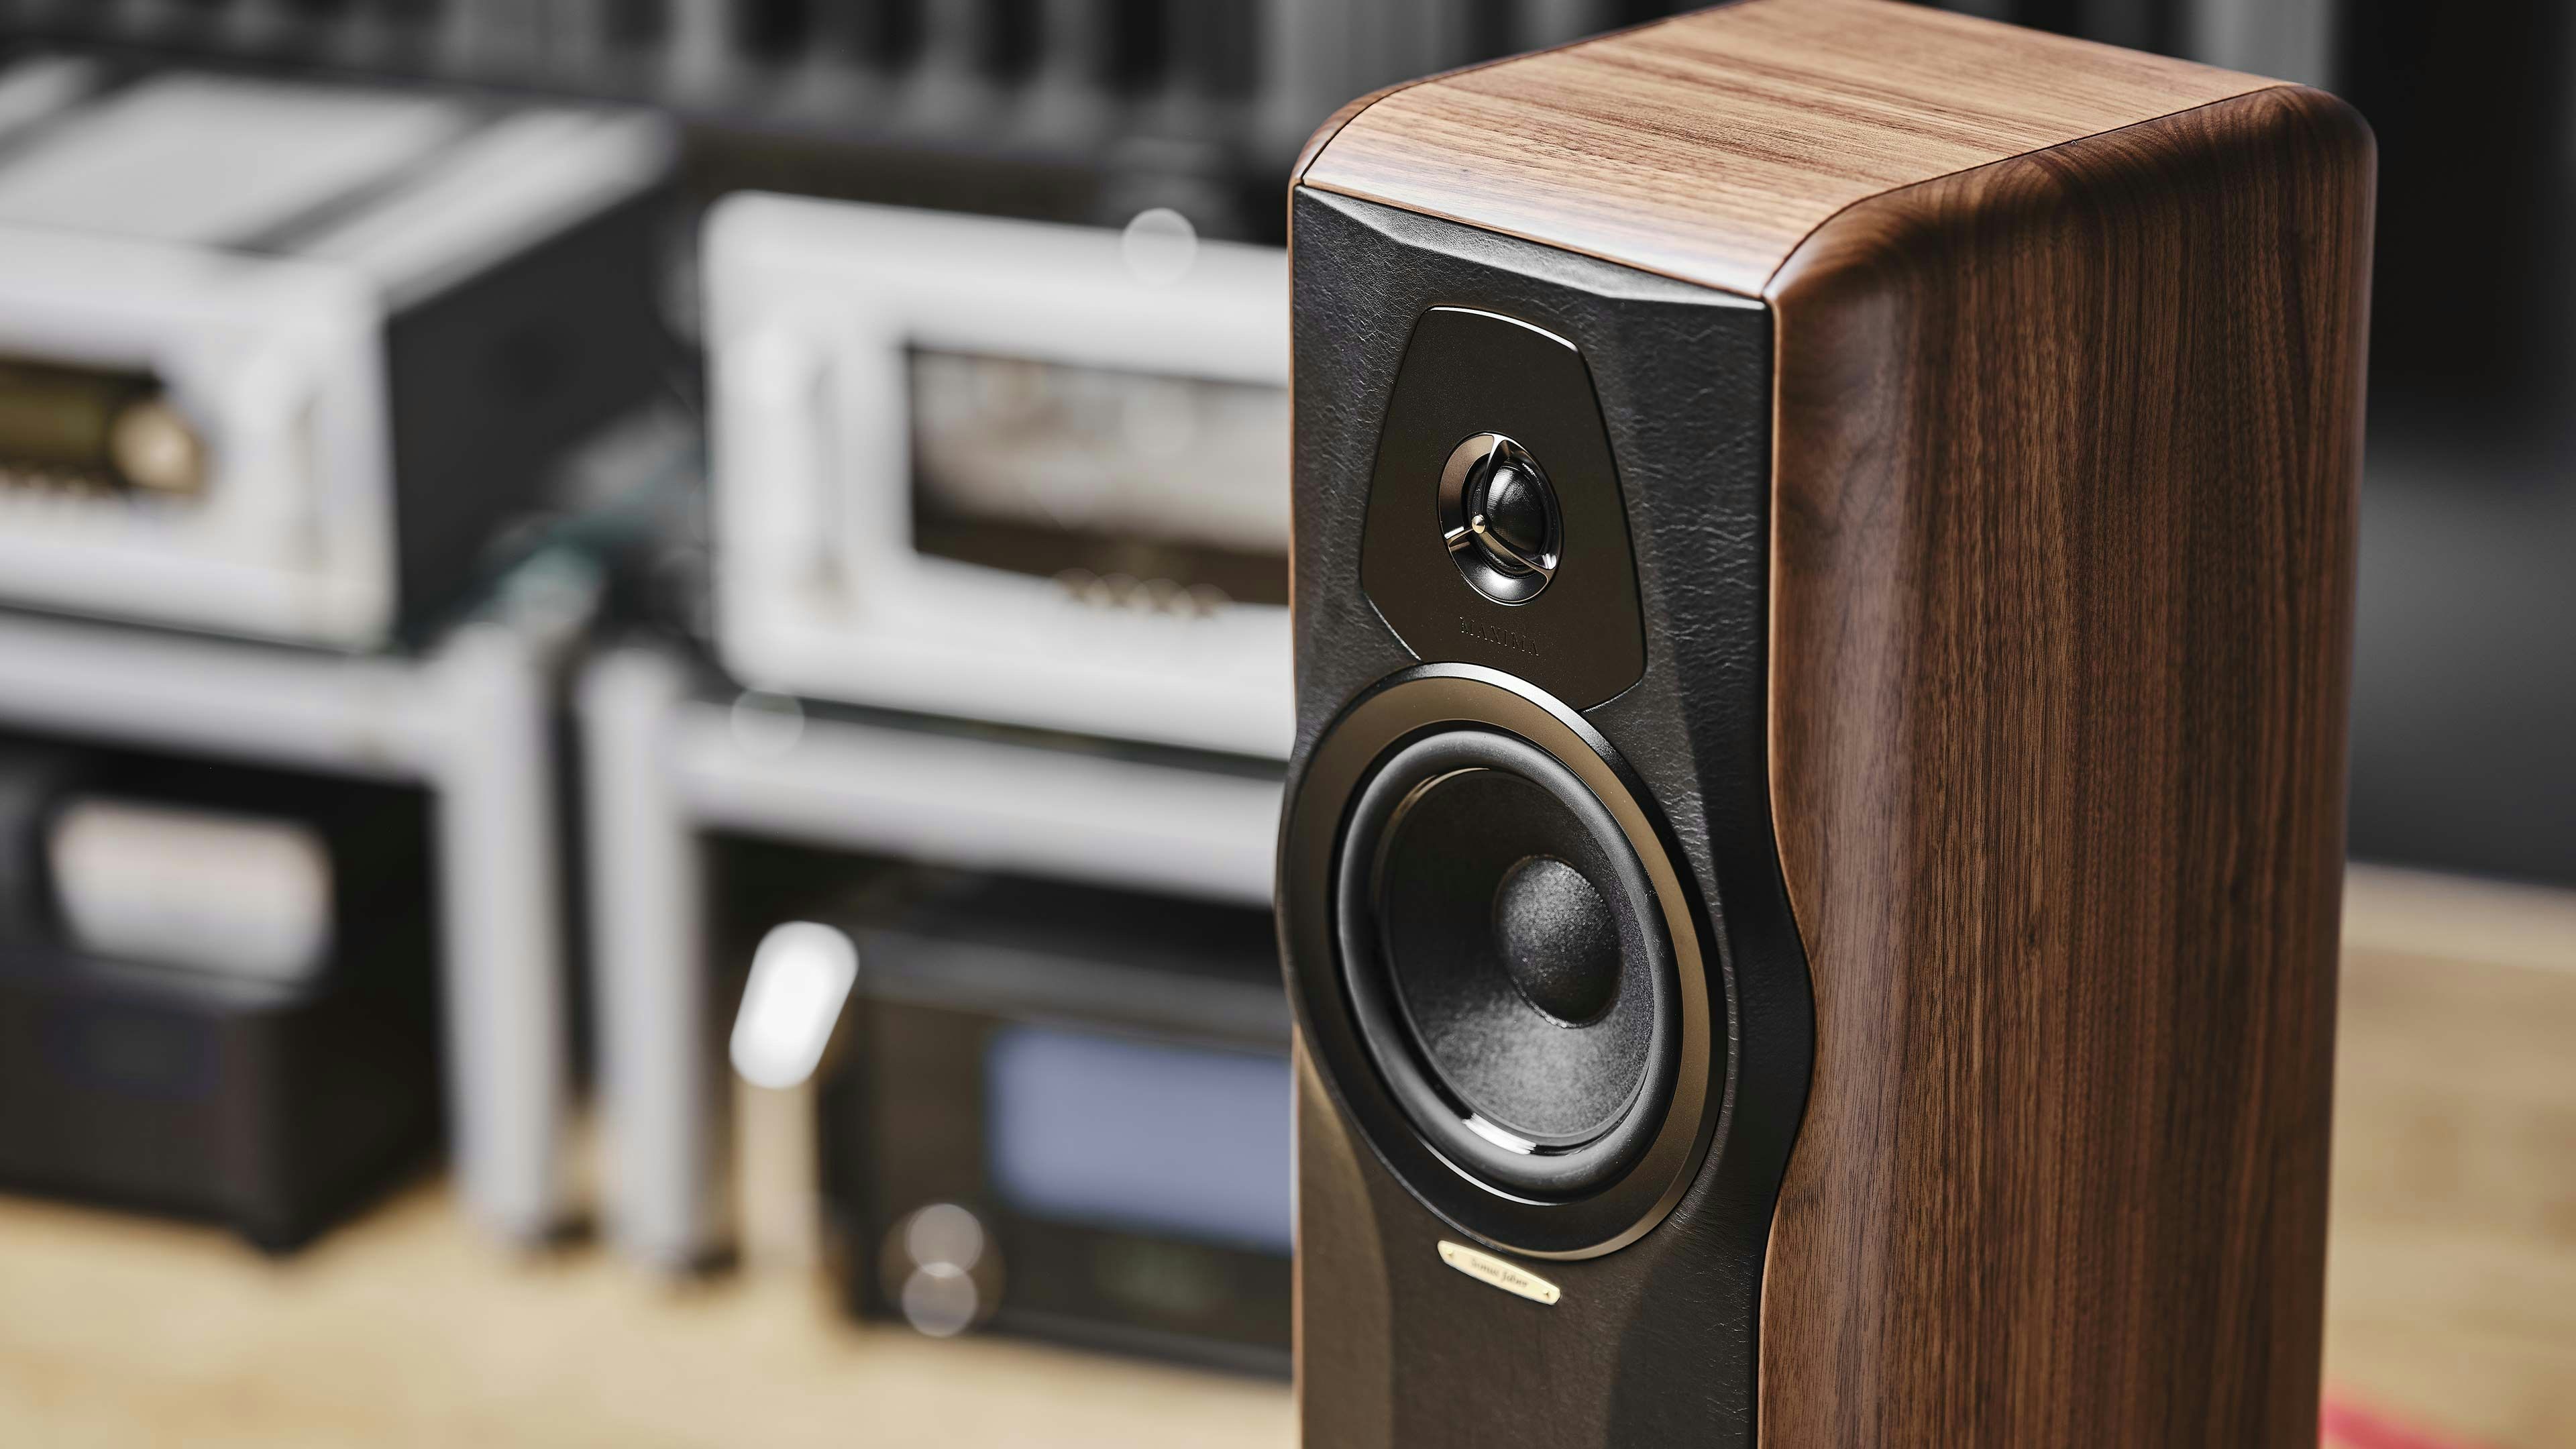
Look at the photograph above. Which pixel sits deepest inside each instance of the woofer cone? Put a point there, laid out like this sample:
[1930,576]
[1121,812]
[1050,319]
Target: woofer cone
[1394,951]
[1507,962]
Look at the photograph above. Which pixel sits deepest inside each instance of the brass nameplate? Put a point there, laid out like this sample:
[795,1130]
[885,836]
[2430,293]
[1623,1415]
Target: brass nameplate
[1486,1268]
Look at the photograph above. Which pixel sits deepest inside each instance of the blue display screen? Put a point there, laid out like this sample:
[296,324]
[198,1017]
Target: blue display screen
[1140,1136]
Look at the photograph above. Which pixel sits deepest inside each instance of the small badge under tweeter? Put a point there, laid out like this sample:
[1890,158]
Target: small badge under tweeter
[1486,1268]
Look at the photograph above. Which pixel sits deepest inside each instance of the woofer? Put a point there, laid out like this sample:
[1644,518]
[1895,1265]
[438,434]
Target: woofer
[1503,954]
[1521,1015]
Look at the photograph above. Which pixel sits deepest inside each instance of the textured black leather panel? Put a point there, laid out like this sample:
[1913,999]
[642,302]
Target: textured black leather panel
[1651,1344]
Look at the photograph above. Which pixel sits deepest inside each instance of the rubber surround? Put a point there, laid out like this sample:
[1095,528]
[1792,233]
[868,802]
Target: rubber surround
[1600,1213]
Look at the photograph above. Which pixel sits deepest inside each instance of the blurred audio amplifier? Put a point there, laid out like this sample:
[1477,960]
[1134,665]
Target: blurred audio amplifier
[1003,470]
[215,987]
[277,359]
[1056,1109]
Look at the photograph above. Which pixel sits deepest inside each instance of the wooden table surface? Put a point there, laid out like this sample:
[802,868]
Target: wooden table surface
[2451,1272]
[2452,1299]
[408,1330]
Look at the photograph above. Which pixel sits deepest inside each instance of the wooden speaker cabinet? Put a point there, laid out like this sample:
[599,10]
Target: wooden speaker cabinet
[1823,573]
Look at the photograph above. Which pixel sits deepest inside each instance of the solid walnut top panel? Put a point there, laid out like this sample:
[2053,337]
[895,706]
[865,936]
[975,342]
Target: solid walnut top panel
[1708,146]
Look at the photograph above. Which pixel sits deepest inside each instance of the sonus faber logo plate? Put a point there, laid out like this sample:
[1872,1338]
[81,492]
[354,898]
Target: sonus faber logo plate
[1486,1268]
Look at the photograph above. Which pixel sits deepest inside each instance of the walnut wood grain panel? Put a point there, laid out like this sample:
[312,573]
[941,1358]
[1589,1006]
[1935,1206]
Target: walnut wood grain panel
[2063,550]
[1708,146]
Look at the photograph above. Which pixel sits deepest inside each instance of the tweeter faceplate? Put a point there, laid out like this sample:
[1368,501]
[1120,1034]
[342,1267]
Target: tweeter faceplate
[1546,589]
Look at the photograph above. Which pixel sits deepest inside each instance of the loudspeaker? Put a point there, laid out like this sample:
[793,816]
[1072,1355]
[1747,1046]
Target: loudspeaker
[1822,597]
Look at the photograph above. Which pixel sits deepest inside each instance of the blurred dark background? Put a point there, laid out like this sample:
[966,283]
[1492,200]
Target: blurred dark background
[1091,111]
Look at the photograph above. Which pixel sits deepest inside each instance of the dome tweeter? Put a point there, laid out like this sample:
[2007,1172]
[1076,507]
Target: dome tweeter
[1810,870]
